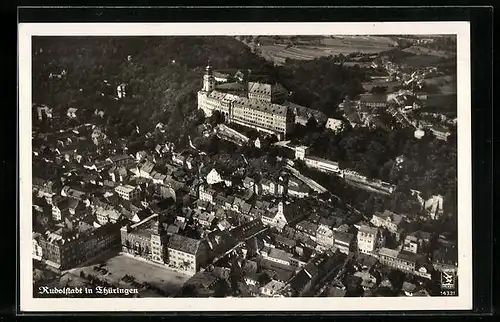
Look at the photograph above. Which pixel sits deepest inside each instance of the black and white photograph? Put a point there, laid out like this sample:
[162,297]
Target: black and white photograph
[266,165]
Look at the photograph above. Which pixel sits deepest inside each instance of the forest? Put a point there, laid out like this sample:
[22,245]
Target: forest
[163,75]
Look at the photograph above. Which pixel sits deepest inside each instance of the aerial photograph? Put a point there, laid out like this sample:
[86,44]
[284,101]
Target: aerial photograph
[244,166]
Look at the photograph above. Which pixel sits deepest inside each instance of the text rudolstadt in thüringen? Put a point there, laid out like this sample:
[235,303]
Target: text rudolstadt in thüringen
[99,290]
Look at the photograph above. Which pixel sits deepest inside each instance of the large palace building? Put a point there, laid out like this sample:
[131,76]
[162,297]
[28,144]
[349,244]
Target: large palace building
[263,107]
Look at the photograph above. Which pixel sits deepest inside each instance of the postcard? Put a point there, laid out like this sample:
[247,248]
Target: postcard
[190,167]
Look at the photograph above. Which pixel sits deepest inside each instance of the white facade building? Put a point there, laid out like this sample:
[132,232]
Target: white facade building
[367,239]
[127,192]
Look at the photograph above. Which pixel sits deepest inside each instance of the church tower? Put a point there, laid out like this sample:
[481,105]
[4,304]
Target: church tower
[157,246]
[208,79]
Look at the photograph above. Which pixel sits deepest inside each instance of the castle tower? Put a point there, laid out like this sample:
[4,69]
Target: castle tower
[208,79]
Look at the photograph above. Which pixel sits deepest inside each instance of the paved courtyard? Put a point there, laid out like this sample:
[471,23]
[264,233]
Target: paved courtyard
[166,280]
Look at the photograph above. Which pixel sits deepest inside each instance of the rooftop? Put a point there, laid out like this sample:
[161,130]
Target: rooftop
[388,252]
[411,257]
[329,162]
[343,237]
[247,230]
[396,218]
[125,188]
[274,285]
[279,254]
[184,244]
[368,230]
[266,89]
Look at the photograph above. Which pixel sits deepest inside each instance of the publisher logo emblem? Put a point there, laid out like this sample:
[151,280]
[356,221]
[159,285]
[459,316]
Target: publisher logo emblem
[448,280]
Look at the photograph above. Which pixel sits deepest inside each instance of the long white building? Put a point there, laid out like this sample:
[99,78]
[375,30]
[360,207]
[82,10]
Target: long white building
[261,108]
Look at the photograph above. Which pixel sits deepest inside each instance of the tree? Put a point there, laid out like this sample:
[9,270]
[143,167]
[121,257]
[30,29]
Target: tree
[221,289]
[216,118]
[397,279]
[379,90]
[188,290]
[263,279]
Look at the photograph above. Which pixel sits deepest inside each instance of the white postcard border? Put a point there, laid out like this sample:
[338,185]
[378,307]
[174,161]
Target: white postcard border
[462,302]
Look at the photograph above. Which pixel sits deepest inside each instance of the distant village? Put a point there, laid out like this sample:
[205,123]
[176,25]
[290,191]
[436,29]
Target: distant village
[271,235]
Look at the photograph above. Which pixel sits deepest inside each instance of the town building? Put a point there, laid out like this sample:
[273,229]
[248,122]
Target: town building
[107,214]
[270,187]
[60,208]
[404,261]
[44,112]
[368,281]
[186,254]
[297,188]
[304,114]
[98,137]
[440,133]
[221,77]
[260,109]
[325,235]
[137,240]
[127,192]
[65,252]
[72,113]
[367,239]
[282,217]
[121,90]
[37,250]
[411,244]
[335,125]
[343,241]
[373,101]
[276,255]
[272,288]
[206,194]
[319,164]
[214,177]
[44,187]
[388,220]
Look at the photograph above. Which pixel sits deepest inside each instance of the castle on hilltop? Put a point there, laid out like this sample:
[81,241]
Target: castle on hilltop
[263,107]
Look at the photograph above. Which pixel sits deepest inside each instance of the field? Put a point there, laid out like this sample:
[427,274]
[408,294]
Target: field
[390,85]
[432,52]
[307,48]
[158,276]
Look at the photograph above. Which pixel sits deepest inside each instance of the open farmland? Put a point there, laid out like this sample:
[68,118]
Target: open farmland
[428,51]
[307,48]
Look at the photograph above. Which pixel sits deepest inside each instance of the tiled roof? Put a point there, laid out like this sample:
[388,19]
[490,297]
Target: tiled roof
[184,244]
[279,254]
[247,230]
[73,203]
[389,214]
[344,237]
[368,229]
[388,252]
